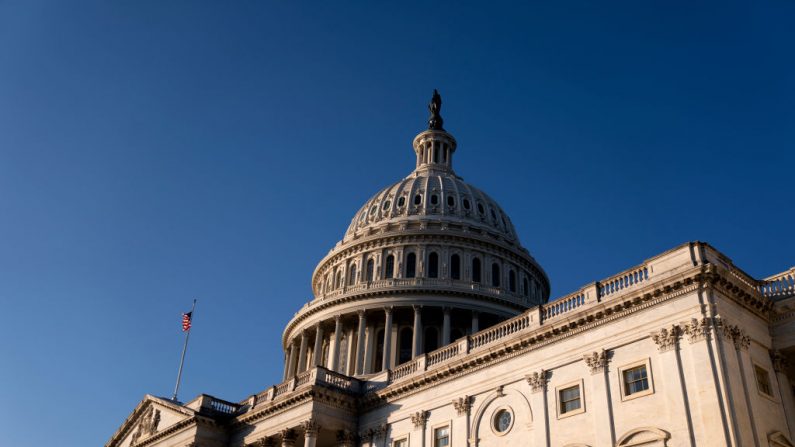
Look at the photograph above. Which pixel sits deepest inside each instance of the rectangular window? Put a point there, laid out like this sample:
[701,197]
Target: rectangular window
[441,437]
[401,443]
[635,380]
[763,380]
[569,399]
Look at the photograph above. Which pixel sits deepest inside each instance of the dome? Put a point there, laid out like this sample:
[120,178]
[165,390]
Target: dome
[425,261]
[437,195]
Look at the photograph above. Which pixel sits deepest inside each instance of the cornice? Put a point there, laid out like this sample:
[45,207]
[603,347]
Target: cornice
[314,393]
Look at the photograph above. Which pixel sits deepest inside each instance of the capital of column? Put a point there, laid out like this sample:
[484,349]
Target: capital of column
[361,315]
[597,361]
[388,309]
[447,309]
[310,427]
[288,437]
[417,308]
[537,380]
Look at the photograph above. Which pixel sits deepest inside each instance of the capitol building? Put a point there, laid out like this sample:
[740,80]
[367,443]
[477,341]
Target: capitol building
[432,326]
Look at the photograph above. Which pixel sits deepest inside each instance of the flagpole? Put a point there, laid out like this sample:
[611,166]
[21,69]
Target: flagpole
[184,349]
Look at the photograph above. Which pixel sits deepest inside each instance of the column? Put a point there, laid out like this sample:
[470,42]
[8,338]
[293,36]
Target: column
[676,398]
[446,326]
[416,342]
[387,362]
[292,362]
[349,368]
[288,437]
[475,321]
[784,389]
[600,387]
[286,372]
[369,348]
[302,352]
[318,350]
[334,351]
[359,361]
[311,429]
[538,401]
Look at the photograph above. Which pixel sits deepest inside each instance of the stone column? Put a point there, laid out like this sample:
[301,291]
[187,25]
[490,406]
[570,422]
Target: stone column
[286,372]
[446,327]
[416,343]
[292,362]
[538,400]
[288,437]
[387,362]
[784,389]
[302,352]
[475,321]
[311,429]
[600,387]
[667,340]
[334,352]
[359,361]
[369,349]
[317,359]
[349,368]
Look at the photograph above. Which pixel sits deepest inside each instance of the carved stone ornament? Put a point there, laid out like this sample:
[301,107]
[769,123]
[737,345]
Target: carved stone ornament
[346,438]
[597,361]
[262,442]
[666,339]
[310,427]
[537,380]
[288,436]
[148,425]
[419,419]
[697,329]
[779,361]
[462,405]
[733,333]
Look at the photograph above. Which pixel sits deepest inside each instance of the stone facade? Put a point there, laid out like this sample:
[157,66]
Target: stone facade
[431,326]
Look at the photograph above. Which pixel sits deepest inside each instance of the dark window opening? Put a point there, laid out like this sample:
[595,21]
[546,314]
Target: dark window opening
[495,275]
[433,265]
[476,270]
[455,267]
[411,265]
[389,269]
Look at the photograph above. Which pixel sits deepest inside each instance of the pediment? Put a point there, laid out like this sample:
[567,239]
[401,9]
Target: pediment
[644,436]
[150,417]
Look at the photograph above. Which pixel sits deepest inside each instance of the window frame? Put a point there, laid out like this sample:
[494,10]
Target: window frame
[769,382]
[493,419]
[577,383]
[446,424]
[399,439]
[623,385]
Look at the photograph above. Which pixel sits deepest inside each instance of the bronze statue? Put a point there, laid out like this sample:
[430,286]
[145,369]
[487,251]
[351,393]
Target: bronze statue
[435,106]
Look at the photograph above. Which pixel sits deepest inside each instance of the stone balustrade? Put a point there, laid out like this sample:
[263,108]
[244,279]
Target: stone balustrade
[779,286]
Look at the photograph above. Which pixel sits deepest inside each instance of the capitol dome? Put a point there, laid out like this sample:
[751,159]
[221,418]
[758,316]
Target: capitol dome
[425,261]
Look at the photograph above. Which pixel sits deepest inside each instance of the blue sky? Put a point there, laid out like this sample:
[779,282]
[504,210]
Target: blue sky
[152,152]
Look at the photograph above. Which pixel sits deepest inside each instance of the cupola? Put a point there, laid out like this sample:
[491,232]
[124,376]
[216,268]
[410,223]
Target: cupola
[434,147]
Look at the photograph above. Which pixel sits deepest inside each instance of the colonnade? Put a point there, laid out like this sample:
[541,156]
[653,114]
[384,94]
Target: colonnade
[374,340]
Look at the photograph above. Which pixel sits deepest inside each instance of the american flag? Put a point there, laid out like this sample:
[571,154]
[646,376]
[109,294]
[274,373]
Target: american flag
[186,318]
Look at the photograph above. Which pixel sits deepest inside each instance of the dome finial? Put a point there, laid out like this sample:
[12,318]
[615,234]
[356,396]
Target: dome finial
[435,106]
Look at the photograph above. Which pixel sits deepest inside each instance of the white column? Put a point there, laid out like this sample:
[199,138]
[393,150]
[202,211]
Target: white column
[302,353]
[292,362]
[311,429]
[600,389]
[369,343]
[334,352]
[416,345]
[317,359]
[349,368]
[475,321]
[360,344]
[387,362]
[446,327]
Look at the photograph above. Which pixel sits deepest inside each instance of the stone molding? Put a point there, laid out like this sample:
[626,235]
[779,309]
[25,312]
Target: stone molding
[667,338]
[780,362]
[701,328]
[537,381]
[419,419]
[462,405]
[597,361]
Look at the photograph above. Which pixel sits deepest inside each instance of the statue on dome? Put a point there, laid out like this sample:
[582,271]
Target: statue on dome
[435,106]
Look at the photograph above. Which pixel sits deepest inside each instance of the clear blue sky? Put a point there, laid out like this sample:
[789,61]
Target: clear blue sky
[152,152]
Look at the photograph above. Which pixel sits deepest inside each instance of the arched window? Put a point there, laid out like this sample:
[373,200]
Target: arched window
[343,355]
[431,339]
[338,279]
[352,275]
[433,265]
[411,265]
[512,281]
[389,267]
[405,341]
[476,270]
[378,360]
[417,199]
[495,275]
[526,287]
[455,267]
[370,266]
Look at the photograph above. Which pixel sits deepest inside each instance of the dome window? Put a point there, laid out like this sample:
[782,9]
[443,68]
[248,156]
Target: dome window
[386,205]
[418,199]
[389,267]
[434,199]
[476,270]
[466,204]
[493,215]
[512,281]
[495,275]
[451,201]
[411,265]
[481,210]
[455,267]
[373,210]
[370,267]
[401,202]
[433,265]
